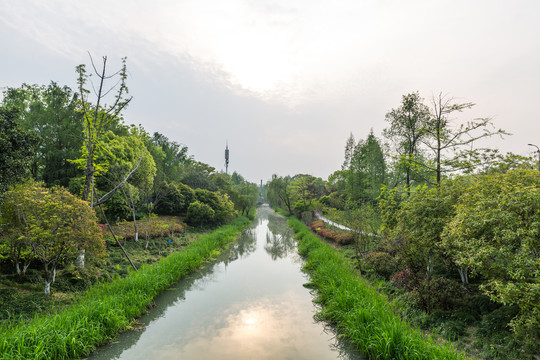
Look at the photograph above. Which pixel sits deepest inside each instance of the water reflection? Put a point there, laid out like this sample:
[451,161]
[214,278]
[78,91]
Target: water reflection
[246,244]
[248,305]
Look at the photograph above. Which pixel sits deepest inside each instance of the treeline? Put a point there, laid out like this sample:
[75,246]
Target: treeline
[458,227]
[64,150]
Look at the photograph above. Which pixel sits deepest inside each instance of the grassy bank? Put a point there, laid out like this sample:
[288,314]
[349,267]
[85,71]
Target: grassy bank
[361,314]
[107,308]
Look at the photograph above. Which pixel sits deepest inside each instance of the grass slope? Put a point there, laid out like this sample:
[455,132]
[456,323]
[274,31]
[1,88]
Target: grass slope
[361,314]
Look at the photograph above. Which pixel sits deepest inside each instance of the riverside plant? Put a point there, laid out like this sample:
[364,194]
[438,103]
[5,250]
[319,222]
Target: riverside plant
[360,313]
[108,308]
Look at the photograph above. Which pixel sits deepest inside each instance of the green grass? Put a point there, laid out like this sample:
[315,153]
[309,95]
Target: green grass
[108,308]
[360,313]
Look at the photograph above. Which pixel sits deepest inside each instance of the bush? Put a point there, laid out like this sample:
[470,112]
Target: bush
[405,280]
[440,293]
[340,237]
[497,321]
[199,214]
[177,198]
[382,263]
[452,330]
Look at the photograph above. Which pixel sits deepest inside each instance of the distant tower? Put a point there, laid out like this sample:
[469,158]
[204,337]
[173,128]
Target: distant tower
[227,158]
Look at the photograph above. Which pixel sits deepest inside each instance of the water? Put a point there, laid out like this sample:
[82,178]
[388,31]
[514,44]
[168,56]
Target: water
[250,304]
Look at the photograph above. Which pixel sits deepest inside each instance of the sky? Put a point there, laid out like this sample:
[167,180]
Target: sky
[284,83]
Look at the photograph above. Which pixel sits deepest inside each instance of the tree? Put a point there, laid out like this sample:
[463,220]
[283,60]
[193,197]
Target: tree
[349,148]
[53,223]
[495,233]
[367,170]
[50,112]
[221,205]
[407,130]
[97,116]
[196,175]
[17,147]
[174,155]
[420,221]
[279,192]
[176,199]
[440,137]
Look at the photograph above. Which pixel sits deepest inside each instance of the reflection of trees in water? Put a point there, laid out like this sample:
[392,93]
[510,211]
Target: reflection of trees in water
[246,244]
[279,242]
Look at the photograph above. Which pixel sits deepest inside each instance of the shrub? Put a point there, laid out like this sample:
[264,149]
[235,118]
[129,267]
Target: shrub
[177,198]
[340,237]
[405,280]
[199,214]
[382,263]
[440,293]
[452,330]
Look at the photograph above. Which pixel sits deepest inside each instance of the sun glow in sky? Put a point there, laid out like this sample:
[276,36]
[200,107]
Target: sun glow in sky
[286,82]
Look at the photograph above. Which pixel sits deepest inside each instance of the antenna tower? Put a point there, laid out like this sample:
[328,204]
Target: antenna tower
[227,158]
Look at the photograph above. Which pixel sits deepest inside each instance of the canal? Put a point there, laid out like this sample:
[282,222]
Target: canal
[249,304]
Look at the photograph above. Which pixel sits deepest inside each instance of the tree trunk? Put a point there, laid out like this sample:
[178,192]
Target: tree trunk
[47,288]
[49,279]
[79,263]
[464,276]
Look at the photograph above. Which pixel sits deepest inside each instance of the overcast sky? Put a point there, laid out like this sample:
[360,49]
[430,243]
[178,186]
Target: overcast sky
[285,82]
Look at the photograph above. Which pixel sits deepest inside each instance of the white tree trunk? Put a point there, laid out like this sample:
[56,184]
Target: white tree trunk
[79,263]
[18,268]
[47,288]
[464,276]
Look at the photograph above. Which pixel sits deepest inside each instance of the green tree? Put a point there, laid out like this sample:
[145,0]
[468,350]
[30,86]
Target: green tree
[54,223]
[17,147]
[196,175]
[420,221]
[279,192]
[496,234]
[407,130]
[173,156]
[50,112]
[349,149]
[220,204]
[176,200]
[367,170]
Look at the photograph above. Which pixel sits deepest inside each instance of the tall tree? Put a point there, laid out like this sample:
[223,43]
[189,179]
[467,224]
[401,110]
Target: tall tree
[98,115]
[367,170]
[441,137]
[50,112]
[17,147]
[279,192]
[349,149]
[407,129]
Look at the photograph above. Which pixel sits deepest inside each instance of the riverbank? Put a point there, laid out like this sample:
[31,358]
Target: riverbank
[360,313]
[107,308]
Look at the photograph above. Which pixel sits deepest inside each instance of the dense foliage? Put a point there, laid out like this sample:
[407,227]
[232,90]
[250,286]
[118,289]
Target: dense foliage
[78,140]
[49,225]
[454,230]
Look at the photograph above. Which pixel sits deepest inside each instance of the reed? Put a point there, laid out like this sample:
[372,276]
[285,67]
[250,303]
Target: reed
[360,313]
[108,308]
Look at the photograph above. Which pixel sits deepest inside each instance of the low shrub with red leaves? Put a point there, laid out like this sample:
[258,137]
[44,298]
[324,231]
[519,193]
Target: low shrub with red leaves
[339,237]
